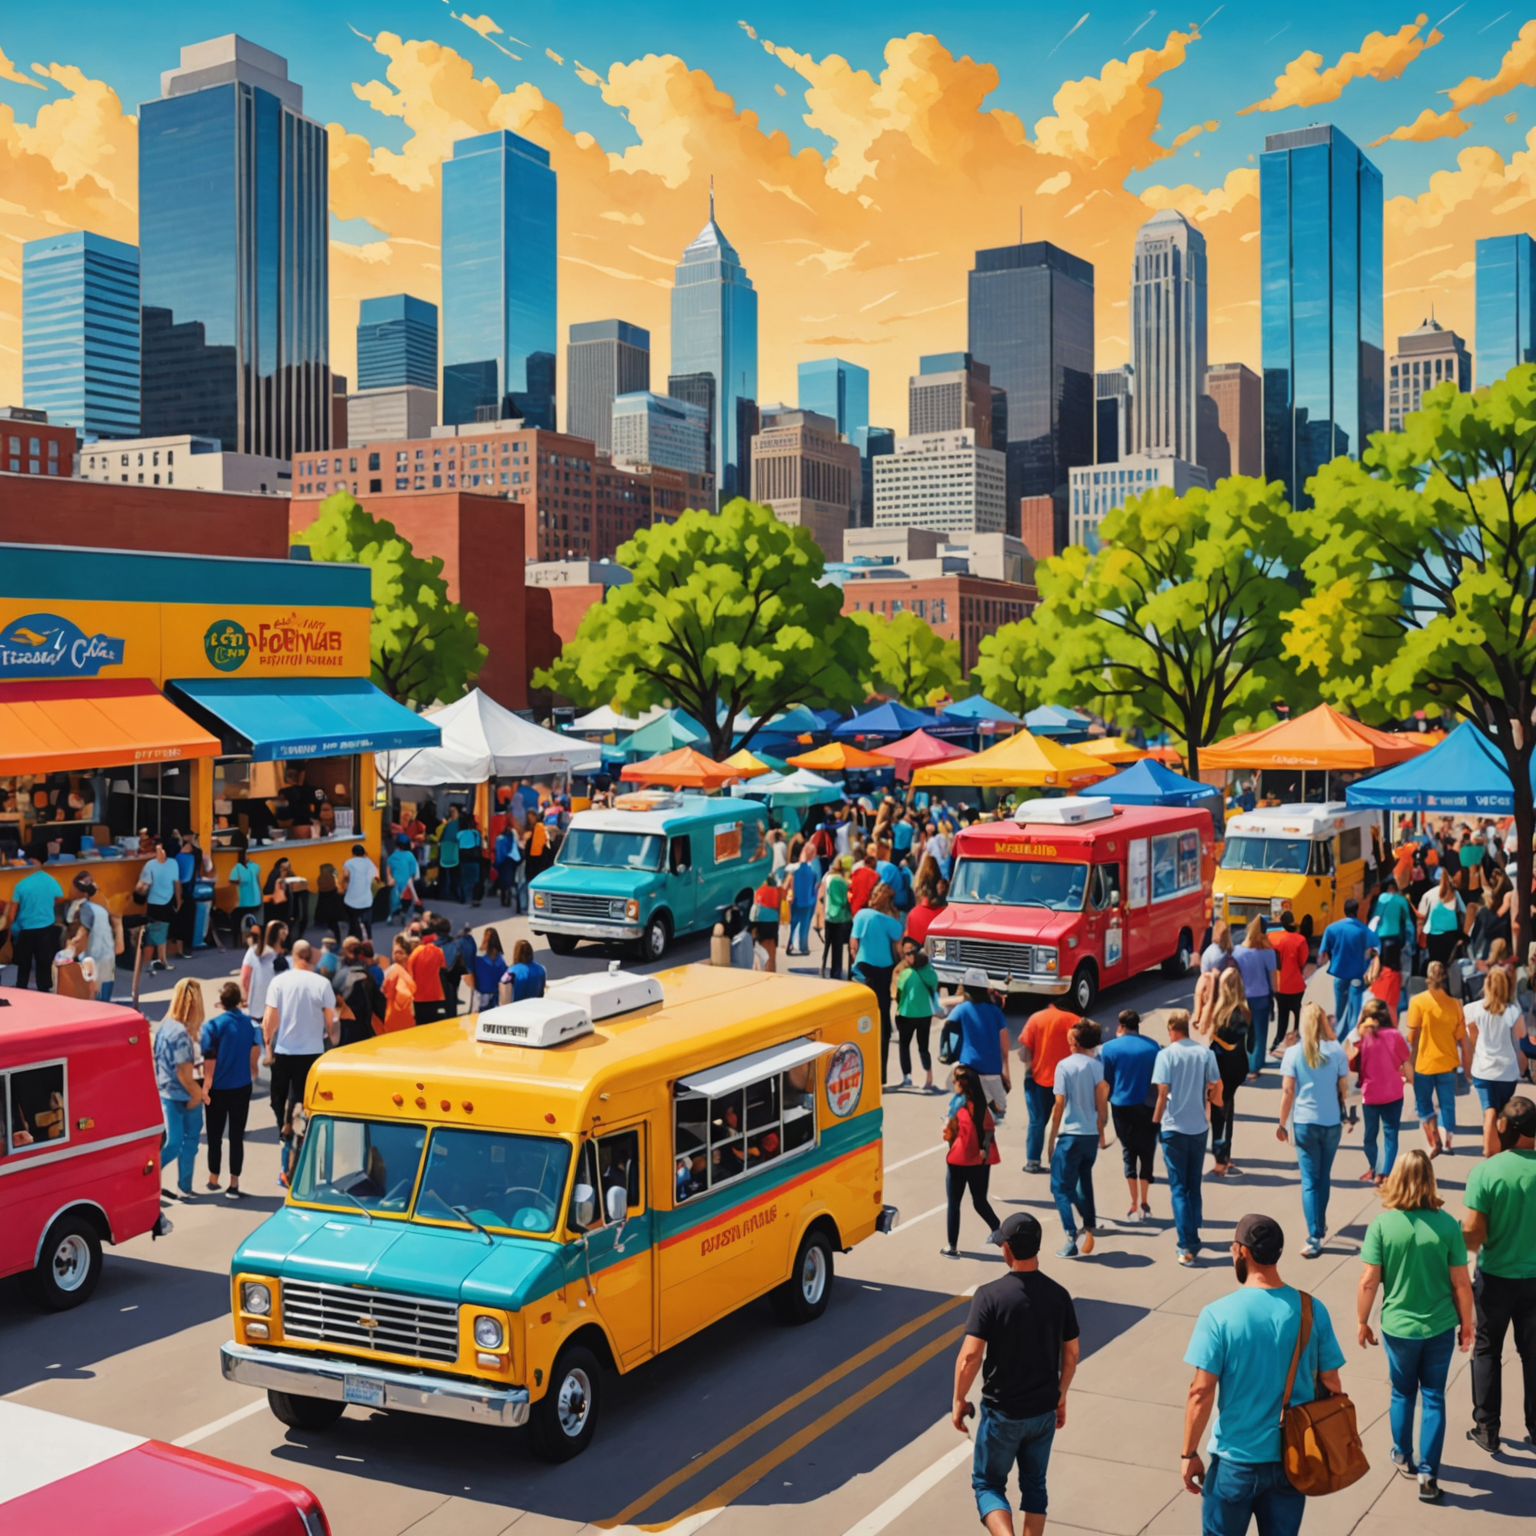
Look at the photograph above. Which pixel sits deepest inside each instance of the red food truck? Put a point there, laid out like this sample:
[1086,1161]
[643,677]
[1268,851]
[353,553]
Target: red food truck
[1073,894]
[80,1143]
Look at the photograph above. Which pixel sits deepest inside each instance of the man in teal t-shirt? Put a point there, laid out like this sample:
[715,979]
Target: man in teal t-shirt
[32,916]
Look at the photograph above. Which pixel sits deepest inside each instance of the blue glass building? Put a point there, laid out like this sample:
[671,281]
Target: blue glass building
[396,342]
[234,187]
[714,332]
[1506,305]
[840,390]
[499,282]
[80,332]
[1320,209]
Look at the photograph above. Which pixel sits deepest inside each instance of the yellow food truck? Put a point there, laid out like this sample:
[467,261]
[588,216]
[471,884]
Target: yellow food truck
[489,1211]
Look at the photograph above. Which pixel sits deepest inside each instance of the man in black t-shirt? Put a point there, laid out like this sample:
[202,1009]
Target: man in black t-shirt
[1026,1327]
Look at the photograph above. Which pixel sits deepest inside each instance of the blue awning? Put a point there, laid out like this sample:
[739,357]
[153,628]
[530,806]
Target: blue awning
[1461,773]
[269,718]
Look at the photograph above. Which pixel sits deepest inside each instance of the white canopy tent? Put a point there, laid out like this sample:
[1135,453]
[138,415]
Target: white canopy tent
[481,741]
[601,721]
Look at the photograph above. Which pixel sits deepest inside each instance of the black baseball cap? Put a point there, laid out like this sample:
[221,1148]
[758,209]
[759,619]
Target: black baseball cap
[1262,1237]
[1022,1234]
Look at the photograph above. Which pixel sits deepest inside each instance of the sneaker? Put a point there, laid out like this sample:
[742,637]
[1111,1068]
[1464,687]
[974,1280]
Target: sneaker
[1484,1440]
[1186,1260]
[1134,1216]
[234,1192]
[1401,1462]
[950,1253]
[1146,1213]
[1034,1168]
[1233,1171]
[906,1082]
[1068,1250]
[1311,1250]
[1429,1490]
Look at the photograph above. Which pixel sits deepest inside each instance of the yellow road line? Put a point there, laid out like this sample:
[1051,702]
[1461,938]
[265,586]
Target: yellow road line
[804,1395]
[728,1492]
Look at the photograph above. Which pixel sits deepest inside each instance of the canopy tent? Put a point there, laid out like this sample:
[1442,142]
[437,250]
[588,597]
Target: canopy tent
[747,765]
[800,788]
[1463,773]
[919,750]
[1169,757]
[1320,739]
[671,729]
[605,720]
[686,768]
[839,757]
[483,740]
[1022,761]
[1149,783]
[1111,749]
[1056,720]
[976,709]
[795,721]
[825,718]
[892,718]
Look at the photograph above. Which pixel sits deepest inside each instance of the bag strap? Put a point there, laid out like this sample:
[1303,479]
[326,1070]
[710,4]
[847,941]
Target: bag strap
[1302,1335]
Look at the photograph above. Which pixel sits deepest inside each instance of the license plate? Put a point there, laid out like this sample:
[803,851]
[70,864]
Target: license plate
[370,1394]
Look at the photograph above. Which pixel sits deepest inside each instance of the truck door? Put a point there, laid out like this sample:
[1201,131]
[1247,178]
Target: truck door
[1106,920]
[621,1253]
[1324,903]
[1349,873]
[683,877]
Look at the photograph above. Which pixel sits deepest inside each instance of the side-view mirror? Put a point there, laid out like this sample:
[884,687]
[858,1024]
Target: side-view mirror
[617,1203]
[583,1206]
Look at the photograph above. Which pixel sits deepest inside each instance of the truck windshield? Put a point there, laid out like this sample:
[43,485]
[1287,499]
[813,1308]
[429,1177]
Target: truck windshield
[369,1163]
[1020,883]
[590,848]
[497,1180]
[1274,855]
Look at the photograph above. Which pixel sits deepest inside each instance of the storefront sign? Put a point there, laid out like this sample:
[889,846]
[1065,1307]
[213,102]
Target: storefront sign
[38,645]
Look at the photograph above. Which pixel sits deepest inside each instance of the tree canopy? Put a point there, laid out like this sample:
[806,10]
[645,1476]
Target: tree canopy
[724,618]
[908,661]
[1176,620]
[424,648]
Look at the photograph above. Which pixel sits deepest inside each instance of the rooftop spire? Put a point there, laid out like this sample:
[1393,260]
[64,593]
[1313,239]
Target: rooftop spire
[711,198]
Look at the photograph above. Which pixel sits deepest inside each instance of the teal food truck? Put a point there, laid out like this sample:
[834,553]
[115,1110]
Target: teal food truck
[652,867]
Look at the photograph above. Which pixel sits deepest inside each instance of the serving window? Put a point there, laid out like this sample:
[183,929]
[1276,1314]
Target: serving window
[36,1104]
[1175,864]
[46,814]
[277,802]
[724,1136]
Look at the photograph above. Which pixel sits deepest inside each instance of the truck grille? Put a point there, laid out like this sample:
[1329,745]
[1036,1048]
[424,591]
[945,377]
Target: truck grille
[1244,911]
[995,957]
[401,1325]
[567,904]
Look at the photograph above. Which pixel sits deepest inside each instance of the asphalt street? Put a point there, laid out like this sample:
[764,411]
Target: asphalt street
[835,1429]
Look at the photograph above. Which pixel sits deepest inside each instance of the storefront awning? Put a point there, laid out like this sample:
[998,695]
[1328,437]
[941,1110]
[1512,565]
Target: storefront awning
[268,718]
[100,723]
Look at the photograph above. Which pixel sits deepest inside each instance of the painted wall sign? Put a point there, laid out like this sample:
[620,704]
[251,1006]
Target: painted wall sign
[50,645]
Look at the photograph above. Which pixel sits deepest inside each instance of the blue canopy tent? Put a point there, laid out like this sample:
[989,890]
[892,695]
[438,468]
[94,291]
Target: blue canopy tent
[1149,783]
[1461,773]
[1056,720]
[889,719]
[976,709]
[666,733]
[795,721]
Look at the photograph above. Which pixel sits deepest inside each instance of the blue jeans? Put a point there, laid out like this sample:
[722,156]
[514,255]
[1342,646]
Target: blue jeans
[1258,1035]
[1184,1158]
[1237,1492]
[1429,1086]
[1385,1118]
[451,879]
[1315,1148]
[1002,1443]
[1041,1101]
[1072,1180]
[104,992]
[1492,1094]
[183,1128]
[1348,995]
[1419,1368]
[800,923]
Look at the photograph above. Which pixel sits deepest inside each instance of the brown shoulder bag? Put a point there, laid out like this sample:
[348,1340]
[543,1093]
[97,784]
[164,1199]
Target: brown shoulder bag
[1320,1443]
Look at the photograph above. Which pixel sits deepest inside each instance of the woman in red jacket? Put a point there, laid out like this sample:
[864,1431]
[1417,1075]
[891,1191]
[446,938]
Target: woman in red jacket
[972,1136]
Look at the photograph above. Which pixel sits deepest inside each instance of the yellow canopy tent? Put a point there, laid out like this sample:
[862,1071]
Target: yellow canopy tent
[748,766]
[1022,761]
[1111,749]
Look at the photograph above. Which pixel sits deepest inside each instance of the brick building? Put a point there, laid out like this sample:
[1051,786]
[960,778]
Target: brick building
[962,608]
[809,475]
[30,446]
[1037,525]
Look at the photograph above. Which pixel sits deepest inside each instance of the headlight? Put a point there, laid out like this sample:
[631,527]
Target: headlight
[538,899]
[632,910]
[1276,907]
[488,1334]
[617,908]
[1046,959]
[255,1298]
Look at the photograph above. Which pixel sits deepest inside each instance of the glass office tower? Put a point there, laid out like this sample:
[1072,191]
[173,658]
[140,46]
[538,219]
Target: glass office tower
[603,360]
[1320,209]
[234,187]
[499,282]
[1506,306]
[840,390]
[1030,310]
[714,332]
[80,332]
[396,342]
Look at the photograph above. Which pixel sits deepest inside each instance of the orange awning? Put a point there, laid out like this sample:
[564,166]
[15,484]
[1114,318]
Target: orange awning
[838,757]
[685,767]
[101,723]
[1320,739]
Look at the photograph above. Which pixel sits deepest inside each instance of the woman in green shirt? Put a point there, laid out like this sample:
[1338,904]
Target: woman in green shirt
[838,921]
[1415,1255]
[915,988]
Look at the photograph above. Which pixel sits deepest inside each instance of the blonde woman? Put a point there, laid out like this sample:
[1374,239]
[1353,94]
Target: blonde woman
[1232,1027]
[1415,1255]
[181,1095]
[1495,1031]
[1313,1076]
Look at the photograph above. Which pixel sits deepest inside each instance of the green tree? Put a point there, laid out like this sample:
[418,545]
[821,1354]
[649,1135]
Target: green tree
[1423,575]
[425,648]
[1177,620]
[908,661]
[723,618]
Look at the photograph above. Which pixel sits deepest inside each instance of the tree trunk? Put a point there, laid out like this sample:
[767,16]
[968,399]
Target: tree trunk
[1525,855]
[1192,757]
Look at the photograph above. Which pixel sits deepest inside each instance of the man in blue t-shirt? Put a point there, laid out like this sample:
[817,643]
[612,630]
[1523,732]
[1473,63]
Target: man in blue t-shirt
[804,879]
[1187,1080]
[1347,948]
[1128,1062]
[1241,1349]
[32,916]
[983,1039]
[1077,1132]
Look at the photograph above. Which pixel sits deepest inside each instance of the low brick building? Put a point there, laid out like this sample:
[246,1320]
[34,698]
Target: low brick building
[963,608]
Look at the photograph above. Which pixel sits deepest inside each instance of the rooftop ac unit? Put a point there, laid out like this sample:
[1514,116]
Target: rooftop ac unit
[1070,812]
[538,1022]
[606,993]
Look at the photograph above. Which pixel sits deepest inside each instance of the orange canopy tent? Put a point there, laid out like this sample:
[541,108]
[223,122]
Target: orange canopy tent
[1322,739]
[838,757]
[1110,749]
[1022,761]
[685,767]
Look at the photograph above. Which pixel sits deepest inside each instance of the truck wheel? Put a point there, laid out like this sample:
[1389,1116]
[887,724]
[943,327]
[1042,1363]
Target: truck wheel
[561,1424]
[658,934]
[1177,964]
[1085,987]
[561,943]
[804,1296]
[304,1412]
[68,1264]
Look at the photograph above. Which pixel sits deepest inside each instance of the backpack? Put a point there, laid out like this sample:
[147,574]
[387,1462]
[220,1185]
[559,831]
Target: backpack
[1320,1442]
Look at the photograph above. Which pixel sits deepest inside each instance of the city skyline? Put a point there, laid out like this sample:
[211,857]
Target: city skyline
[858,251]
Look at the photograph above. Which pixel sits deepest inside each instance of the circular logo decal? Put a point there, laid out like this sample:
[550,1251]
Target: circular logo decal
[845,1080]
[226,645]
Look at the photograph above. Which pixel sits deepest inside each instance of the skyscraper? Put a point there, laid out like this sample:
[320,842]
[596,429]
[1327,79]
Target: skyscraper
[396,343]
[1031,321]
[80,332]
[499,282]
[951,392]
[656,429]
[1168,337]
[831,387]
[1320,211]
[1113,388]
[1506,305]
[714,332]
[605,359]
[1424,358]
[234,189]
[1239,398]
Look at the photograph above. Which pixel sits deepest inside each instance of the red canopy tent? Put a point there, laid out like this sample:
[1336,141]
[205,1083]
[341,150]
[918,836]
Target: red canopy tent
[920,750]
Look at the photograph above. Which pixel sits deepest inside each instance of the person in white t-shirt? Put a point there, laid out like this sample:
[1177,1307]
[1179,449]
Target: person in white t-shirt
[1496,1027]
[298,1020]
[358,874]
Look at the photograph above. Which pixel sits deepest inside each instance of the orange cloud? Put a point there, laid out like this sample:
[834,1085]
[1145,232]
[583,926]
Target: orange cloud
[8,71]
[1518,67]
[1428,125]
[1379,57]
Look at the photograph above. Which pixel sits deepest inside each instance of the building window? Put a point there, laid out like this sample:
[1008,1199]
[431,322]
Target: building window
[375,486]
[373,463]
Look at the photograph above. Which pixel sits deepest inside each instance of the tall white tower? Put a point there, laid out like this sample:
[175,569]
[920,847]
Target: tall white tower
[1168,337]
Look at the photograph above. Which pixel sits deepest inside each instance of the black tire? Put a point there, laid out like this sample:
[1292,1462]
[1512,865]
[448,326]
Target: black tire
[68,1264]
[562,943]
[561,1424]
[1085,987]
[652,944]
[1177,964]
[804,1296]
[304,1412]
